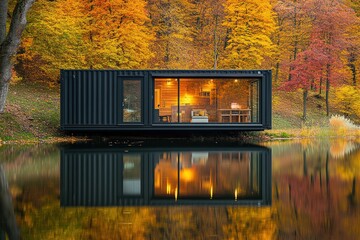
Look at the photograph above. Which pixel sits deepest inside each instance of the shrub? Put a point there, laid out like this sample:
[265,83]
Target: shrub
[341,122]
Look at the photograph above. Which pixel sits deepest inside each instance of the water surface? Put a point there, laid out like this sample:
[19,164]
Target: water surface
[280,190]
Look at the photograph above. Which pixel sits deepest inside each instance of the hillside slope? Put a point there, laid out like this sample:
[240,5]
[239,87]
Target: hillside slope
[33,112]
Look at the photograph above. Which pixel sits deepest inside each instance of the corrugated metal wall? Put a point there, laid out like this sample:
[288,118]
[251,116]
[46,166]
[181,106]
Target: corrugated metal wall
[90,178]
[90,98]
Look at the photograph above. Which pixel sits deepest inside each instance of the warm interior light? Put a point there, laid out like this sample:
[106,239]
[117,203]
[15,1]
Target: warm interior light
[176,194]
[211,192]
[187,99]
[187,175]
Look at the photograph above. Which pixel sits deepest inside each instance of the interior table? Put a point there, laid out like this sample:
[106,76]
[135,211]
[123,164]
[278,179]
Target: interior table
[234,115]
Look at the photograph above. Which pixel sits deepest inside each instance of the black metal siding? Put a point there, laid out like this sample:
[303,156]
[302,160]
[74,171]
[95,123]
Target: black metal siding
[267,100]
[90,178]
[89,98]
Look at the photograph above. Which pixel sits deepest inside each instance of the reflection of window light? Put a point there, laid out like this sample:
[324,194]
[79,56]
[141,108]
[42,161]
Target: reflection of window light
[236,194]
[211,192]
[168,188]
[176,194]
[187,175]
[129,165]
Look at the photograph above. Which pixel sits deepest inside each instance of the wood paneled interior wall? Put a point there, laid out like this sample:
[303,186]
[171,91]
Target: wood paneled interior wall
[210,95]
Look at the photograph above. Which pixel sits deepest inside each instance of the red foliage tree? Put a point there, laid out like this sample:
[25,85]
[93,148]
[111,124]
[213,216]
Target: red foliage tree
[327,44]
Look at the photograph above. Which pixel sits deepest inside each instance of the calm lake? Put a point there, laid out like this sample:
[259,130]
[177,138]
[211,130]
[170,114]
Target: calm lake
[304,189]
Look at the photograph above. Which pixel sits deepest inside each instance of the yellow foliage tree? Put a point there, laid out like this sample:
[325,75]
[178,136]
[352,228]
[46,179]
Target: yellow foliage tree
[208,33]
[171,22]
[250,24]
[347,99]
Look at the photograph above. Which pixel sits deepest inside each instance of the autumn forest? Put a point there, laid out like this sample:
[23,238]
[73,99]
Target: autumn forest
[312,46]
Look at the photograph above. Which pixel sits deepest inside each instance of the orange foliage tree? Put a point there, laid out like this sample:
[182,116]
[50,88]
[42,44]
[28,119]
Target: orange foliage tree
[88,34]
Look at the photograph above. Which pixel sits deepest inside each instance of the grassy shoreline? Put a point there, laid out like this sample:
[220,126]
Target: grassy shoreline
[32,115]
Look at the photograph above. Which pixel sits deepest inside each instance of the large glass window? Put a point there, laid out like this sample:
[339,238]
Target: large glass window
[206,100]
[166,100]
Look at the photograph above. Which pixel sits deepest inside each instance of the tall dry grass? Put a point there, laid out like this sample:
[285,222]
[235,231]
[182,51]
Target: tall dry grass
[338,126]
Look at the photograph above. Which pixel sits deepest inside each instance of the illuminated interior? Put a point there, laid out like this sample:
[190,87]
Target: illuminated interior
[206,100]
[207,175]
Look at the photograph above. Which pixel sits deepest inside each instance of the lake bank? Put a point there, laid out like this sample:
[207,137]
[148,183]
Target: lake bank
[33,116]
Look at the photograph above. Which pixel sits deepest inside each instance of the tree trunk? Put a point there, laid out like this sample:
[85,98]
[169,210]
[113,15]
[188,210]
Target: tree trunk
[4,88]
[5,76]
[327,89]
[277,72]
[305,93]
[10,43]
[3,18]
[296,40]
[293,57]
[353,72]
[215,43]
[327,170]
[351,63]
[305,164]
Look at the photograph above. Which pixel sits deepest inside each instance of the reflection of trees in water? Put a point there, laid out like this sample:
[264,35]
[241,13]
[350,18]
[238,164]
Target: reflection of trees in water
[7,216]
[316,192]
[341,147]
[316,196]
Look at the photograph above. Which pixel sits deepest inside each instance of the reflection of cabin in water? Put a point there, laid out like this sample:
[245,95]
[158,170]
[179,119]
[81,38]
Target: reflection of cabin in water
[165,100]
[112,176]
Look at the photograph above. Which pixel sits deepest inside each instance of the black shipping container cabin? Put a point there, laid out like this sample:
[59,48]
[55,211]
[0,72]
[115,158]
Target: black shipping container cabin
[123,100]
